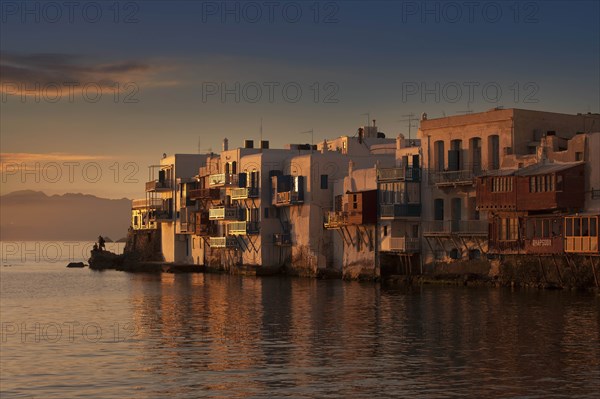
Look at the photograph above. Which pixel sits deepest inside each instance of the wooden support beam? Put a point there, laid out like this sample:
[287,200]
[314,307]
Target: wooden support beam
[594,271]
[557,270]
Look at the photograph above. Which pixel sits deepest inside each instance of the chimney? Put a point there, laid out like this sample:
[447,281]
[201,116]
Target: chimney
[225,144]
[350,167]
[324,147]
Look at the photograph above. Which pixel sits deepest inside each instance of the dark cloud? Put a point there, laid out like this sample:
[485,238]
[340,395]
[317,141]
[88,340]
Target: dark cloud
[46,68]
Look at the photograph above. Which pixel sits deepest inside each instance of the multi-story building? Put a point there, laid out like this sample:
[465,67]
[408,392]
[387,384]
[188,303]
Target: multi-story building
[172,210]
[456,150]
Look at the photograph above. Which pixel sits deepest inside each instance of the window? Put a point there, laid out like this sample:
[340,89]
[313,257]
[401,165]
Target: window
[324,182]
[544,183]
[502,184]
[579,156]
[266,213]
[508,229]
[385,231]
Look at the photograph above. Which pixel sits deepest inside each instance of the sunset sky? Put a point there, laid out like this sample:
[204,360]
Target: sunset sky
[161,67]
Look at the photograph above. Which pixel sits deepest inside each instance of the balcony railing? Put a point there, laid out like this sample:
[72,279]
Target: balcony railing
[464,176]
[222,242]
[287,198]
[205,193]
[244,192]
[222,179]
[401,244]
[389,174]
[147,203]
[336,219]
[158,186]
[224,213]
[445,227]
[282,239]
[161,216]
[242,228]
[391,211]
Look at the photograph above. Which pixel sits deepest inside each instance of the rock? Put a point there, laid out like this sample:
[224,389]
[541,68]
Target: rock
[76,264]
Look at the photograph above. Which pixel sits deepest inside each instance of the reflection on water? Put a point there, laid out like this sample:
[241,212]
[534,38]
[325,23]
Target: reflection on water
[194,335]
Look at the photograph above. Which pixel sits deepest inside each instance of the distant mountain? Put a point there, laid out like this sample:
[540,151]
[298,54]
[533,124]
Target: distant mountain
[33,215]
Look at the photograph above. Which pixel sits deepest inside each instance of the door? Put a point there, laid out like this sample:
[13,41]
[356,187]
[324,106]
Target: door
[456,205]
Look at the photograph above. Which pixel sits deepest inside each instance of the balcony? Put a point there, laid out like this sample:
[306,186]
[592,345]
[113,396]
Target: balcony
[399,174]
[287,198]
[454,177]
[401,244]
[242,228]
[161,216]
[224,213]
[395,211]
[455,227]
[212,194]
[222,242]
[203,226]
[157,186]
[282,239]
[336,219]
[147,203]
[244,193]
[222,179]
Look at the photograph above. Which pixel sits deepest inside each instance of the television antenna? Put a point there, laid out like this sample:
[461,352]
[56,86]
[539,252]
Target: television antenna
[410,118]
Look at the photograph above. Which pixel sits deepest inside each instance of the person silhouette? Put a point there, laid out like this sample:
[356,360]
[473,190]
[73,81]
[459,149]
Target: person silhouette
[101,243]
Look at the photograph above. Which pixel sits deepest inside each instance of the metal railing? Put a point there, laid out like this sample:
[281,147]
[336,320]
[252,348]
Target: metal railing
[147,203]
[287,197]
[242,228]
[455,226]
[402,244]
[157,185]
[161,215]
[222,242]
[408,173]
[223,213]
[244,192]
[399,210]
[205,193]
[222,179]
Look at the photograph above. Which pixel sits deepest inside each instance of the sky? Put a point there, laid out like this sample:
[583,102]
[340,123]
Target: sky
[93,92]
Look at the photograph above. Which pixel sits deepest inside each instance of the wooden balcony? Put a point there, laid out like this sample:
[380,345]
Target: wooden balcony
[244,193]
[457,227]
[224,213]
[204,226]
[157,186]
[399,211]
[223,242]
[161,216]
[222,179]
[335,220]
[399,174]
[401,244]
[453,178]
[282,239]
[147,203]
[242,228]
[287,198]
[213,194]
